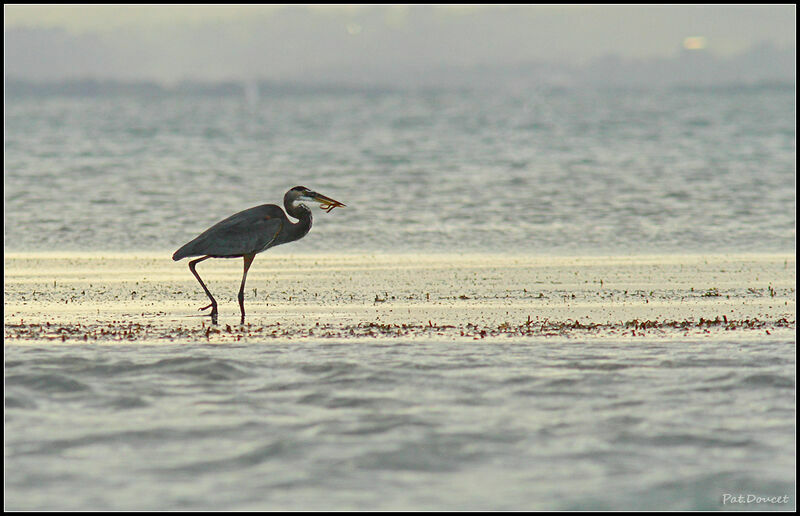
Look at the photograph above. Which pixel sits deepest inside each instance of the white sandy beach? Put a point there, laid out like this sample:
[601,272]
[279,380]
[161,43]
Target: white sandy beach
[107,297]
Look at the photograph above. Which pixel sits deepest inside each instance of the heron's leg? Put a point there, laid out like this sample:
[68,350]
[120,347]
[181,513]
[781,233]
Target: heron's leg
[248,260]
[213,304]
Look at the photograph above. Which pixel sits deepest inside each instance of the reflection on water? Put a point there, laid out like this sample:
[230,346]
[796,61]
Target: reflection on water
[551,171]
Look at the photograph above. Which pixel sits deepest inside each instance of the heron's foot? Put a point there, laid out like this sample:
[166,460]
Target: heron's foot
[213,314]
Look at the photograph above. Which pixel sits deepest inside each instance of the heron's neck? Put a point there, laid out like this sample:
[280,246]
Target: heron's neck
[303,215]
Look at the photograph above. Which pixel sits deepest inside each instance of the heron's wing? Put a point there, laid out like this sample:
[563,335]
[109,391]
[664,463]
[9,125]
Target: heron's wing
[247,232]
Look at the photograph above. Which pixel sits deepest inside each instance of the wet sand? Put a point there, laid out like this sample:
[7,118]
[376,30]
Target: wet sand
[147,298]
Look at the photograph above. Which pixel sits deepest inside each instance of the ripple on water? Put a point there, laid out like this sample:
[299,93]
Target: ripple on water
[201,368]
[47,382]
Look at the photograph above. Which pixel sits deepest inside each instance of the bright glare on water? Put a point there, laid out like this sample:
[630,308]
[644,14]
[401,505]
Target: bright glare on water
[547,170]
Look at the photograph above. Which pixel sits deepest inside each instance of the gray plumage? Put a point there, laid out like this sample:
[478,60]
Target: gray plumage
[247,232]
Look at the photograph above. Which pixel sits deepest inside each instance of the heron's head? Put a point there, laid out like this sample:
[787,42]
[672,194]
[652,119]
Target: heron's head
[301,193]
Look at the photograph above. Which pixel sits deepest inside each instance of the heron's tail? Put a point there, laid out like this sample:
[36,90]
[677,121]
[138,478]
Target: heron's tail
[183,252]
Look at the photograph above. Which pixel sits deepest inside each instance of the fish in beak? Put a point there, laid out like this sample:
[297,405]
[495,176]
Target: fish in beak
[326,203]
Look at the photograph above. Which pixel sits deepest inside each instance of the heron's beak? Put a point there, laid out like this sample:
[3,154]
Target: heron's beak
[326,203]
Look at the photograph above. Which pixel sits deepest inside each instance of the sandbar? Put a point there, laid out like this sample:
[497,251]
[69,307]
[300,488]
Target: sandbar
[111,298]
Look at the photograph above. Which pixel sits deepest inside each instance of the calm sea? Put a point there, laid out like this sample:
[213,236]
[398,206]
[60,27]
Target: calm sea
[398,424]
[545,170]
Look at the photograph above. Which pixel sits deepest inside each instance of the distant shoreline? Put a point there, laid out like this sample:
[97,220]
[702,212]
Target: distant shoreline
[16,88]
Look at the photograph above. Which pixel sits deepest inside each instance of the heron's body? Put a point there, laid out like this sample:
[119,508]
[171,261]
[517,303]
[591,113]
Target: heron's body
[250,232]
[247,232]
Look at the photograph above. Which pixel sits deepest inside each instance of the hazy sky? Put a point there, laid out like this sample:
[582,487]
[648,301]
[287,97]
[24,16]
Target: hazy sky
[285,42]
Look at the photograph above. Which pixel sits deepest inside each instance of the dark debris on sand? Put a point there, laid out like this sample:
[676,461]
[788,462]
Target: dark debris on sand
[119,331]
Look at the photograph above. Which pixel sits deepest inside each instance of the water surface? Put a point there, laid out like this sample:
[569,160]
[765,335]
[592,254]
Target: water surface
[399,425]
[566,171]
[600,419]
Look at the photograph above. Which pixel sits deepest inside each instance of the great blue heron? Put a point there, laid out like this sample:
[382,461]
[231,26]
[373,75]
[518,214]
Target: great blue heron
[252,231]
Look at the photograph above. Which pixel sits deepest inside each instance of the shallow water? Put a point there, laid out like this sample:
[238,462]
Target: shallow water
[399,425]
[55,297]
